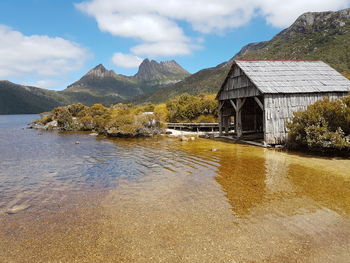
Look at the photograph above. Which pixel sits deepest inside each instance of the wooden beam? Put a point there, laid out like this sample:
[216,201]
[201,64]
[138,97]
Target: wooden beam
[220,123]
[226,122]
[259,103]
[221,104]
[238,119]
[233,105]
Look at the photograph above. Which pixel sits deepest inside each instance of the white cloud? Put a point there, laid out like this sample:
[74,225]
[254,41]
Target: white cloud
[155,23]
[126,60]
[161,49]
[37,55]
[43,83]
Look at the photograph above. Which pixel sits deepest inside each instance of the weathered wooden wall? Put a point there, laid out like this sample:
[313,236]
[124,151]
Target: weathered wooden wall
[238,85]
[279,109]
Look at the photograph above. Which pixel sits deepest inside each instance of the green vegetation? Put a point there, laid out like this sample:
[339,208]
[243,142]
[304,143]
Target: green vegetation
[323,127]
[188,108]
[126,120]
[118,120]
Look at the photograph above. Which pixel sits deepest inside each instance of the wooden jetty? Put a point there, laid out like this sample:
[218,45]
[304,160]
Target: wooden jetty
[196,126]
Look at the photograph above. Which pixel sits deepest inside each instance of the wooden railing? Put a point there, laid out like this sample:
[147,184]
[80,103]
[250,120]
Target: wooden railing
[195,126]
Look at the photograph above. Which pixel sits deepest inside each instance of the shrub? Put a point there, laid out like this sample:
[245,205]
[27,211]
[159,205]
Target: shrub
[206,119]
[63,117]
[325,125]
[187,108]
[161,112]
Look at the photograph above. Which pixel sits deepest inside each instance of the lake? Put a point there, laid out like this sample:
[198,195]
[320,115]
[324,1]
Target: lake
[163,200]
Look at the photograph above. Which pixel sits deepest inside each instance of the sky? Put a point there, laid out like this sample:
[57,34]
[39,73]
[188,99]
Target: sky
[52,43]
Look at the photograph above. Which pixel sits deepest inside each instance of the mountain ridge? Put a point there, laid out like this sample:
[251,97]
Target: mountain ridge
[100,82]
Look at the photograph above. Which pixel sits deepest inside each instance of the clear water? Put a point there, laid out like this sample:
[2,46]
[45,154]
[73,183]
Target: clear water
[162,200]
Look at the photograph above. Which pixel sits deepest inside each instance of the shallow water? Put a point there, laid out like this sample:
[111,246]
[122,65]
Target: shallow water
[162,200]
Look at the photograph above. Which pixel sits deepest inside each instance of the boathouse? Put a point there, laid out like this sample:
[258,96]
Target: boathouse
[262,95]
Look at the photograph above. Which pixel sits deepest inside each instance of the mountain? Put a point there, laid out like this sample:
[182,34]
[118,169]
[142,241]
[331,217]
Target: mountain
[160,73]
[313,36]
[204,81]
[19,99]
[100,85]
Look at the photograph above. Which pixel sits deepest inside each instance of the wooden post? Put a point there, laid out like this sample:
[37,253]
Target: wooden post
[238,121]
[226,120]
[264,120]
[221,103]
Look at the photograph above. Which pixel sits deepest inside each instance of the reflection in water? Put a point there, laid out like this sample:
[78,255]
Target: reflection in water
[161,200]
[243,178]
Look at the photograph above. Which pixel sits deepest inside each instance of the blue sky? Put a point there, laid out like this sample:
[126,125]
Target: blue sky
[51,43]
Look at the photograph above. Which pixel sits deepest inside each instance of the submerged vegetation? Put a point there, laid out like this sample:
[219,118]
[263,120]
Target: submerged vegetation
[127,120]
[323,127]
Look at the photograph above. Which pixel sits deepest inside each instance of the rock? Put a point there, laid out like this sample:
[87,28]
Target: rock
[93,134]
[16,208]
[77,142]
[184,139]
[279,147]
[51,125]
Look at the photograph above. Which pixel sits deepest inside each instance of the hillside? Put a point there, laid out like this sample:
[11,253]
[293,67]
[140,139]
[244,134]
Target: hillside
[313,36]
[18,99]
[204,81]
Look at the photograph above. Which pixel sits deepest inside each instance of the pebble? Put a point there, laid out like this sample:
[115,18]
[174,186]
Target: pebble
[16,208]
[184,139]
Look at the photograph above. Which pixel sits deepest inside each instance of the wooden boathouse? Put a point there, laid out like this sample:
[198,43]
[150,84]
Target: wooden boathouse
[262,95]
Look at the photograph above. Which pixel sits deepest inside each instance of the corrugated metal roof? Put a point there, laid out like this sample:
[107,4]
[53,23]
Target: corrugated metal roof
[294,76]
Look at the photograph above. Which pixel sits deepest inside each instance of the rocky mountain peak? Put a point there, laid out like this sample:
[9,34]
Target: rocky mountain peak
[312,22]
[100,71]
[153,70]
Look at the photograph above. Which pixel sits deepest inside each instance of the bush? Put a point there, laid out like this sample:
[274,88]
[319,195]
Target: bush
[161,112]
[205,119]
[325,125]
[63,117]
[187,108]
